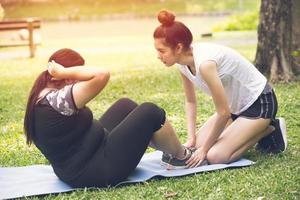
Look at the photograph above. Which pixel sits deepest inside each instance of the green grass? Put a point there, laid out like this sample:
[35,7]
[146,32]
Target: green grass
[140,76]
[241,22]
[89,9]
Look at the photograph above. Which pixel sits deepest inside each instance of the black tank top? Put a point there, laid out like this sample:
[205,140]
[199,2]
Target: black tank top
[68,142]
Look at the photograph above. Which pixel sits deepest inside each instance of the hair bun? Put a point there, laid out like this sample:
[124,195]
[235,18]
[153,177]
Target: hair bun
[166,18]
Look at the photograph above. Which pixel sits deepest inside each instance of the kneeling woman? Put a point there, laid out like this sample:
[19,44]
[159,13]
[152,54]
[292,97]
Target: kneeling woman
[84,151]
[240,93]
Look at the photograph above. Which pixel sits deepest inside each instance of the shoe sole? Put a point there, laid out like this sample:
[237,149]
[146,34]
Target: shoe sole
[282,126]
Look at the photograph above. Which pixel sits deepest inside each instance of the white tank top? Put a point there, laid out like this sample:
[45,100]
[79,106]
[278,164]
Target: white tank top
[242,82]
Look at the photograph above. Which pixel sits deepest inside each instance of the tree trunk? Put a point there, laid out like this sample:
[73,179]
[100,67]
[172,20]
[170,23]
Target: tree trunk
[278,48]
[296,37]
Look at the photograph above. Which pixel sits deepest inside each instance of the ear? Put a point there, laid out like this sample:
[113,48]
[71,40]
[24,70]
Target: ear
[179,48]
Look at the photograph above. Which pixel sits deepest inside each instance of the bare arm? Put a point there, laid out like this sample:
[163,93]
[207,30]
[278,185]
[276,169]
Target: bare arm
[190,109]
[208,71]
[209,74]
[91,80]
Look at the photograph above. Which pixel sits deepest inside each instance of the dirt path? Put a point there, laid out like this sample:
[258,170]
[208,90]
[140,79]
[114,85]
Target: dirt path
[119,35]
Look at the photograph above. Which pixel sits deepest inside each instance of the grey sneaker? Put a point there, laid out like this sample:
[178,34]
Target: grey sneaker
[275,142]
[172,162]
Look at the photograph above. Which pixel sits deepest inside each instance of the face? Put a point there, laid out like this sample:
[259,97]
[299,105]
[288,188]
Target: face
[165,53]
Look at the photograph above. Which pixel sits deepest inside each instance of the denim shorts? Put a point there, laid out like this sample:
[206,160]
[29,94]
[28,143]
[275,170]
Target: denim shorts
[264,107]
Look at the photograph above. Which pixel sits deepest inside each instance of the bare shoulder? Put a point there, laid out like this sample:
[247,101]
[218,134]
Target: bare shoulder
[208,64]
[208,69]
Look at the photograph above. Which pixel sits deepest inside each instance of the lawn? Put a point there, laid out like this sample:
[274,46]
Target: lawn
[136,73]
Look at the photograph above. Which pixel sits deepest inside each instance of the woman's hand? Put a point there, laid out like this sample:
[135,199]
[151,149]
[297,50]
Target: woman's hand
[197,158]
[55,70]
[190,143]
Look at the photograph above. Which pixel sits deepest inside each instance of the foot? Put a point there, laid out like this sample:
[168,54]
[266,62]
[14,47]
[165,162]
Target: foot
[172,162]
[276,141]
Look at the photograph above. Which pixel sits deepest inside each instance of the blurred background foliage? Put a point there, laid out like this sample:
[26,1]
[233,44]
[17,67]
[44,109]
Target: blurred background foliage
[239,22]
[242,14]
[1,12]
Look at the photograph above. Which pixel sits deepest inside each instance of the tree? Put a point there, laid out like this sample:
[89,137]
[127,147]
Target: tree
[278,48]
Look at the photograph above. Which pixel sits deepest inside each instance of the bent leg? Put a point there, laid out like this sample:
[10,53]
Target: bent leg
[117,113]
[206,128]
[237,138]
[166,140]
[127,142]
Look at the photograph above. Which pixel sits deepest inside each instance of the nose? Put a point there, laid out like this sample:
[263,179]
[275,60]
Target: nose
[158,56]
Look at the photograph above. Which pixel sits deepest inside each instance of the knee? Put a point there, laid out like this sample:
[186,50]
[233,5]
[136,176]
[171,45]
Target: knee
[217,156]
[153,113]
[127,103]
[152,110]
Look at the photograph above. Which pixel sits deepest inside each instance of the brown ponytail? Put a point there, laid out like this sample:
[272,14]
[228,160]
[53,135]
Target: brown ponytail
[39,84]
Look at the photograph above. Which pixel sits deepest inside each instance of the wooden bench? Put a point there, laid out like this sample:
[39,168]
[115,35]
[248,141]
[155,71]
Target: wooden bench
[29,24]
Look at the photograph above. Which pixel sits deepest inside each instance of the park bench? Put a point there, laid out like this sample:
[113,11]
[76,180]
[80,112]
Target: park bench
[28,24]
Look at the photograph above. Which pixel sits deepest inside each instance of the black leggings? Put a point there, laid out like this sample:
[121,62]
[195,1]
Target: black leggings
[128,130]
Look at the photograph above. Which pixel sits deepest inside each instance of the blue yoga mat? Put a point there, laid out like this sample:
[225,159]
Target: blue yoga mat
[40,179]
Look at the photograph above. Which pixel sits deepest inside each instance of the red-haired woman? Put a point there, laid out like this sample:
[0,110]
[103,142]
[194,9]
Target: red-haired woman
[238,90]
[84,151]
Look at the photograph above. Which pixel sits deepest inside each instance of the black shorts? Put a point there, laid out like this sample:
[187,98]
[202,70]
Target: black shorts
[264,107]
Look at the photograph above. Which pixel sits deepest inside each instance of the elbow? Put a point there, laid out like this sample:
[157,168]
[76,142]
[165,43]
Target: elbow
[106,75]
[102,77]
